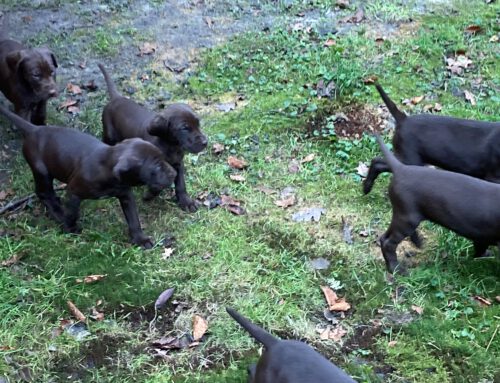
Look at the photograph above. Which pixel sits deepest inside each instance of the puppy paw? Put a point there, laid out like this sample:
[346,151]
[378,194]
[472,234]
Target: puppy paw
[72,228]
[143,241]
[367,186]
[188,204]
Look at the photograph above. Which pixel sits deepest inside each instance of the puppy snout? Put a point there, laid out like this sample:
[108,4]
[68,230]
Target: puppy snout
[203,140]
[52,92]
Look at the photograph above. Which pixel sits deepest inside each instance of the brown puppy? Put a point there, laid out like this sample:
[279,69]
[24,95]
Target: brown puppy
[174,131]
[27,79]
[467,205]
[463,146]
[91,170]
[288,361]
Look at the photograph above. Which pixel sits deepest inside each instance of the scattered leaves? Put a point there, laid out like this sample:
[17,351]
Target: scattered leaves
[308,158]
[12,260]
[237,177]
[97,315]
[232,205]
[76,312]
[334,302]
[200,327]
[91,278]
[458,64]
[470,97]
[285,202]
[473,29]
[335,334]
[163,298]
[147,49]
[73,89]
[236,163]
[482,301]
[67,103]
[419,310]
[217,148]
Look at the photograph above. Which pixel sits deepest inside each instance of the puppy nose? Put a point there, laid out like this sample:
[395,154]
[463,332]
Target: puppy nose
[52,93]
[203,140]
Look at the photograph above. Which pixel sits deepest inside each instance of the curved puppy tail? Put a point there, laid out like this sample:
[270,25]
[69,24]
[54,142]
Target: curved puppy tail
[398,115]
[109,83]
[257,332]
[26,127]
[390,158]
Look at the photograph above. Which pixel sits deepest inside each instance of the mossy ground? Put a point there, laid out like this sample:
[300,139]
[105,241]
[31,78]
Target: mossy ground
[258,262]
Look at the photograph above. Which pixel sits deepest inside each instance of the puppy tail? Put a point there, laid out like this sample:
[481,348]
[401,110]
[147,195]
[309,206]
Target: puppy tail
[25,126]
[109,83]
[390,158]
[396,113]
[257,332]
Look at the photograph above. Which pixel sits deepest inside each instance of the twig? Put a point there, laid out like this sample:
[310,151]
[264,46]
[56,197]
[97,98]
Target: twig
[492,337]
[13,205]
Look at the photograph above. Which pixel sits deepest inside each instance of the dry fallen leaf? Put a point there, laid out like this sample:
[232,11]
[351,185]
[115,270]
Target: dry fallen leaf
[482,301]
[370,80]
[308,158]
[457,64]
[392,343]
[147,49]
[417,99]
[91,278]
[419,310]
[334,302]
[334,334]
[362,169]
[217,148]
[67,103]
[265,189]
[473,29]
[3,195]
[237,177]
[470,97]
[200,327]
[236,163]
[285,202]
[494,39]
[12,260]
[329,43]
[167,252]
[73,89]
[96,315]
[76,313]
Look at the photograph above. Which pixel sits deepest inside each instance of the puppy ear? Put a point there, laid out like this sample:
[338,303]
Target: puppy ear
[14,59]
[48,55]
[125,164]
[158,126]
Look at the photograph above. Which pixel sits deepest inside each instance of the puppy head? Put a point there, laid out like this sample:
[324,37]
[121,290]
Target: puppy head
[36,69]
[141,163]
[179,125]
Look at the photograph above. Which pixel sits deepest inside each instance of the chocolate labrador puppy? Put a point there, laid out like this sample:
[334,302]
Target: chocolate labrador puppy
[27,79]
[91,170]
[463,146]
[467,205]
[288,361]
[174,131]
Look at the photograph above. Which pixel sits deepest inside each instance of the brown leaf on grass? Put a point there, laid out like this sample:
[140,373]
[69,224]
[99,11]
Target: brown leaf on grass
[167,252]
[416,100]
[67,103]
[92,278]
[96,315]
[75,312]
[285,202]
[12,260]
[433,108]
[473,29]
[457,64]
[379,40]
[217,148]
[200,327]
[470,97]
[73,109]
[334,302]
[335,334]
[237,177]
[236,163]
[329,43]
[342,4]
[3,195]
[232,205]
[265,189]
[73,89]
[147,49]
[308,158]
[482,301]
[392,343]
[370,80]
[419,310]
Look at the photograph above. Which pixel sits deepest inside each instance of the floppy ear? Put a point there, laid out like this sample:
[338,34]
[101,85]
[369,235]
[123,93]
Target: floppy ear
[125,164]
[159,126]
[48,55]
[14,59]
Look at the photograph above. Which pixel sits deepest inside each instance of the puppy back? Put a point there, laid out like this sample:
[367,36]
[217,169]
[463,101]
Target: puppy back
[261,335]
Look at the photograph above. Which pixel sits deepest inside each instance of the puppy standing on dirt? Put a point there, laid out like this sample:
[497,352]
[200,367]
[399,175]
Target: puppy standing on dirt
[174,131]
[467,205]
[463,146]
[91,170]
[288,361]
[27,79]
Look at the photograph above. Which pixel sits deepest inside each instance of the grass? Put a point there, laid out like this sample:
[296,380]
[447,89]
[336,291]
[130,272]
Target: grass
[258,262]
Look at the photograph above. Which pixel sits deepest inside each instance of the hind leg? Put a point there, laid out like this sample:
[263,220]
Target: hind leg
[398,230]
[72,214]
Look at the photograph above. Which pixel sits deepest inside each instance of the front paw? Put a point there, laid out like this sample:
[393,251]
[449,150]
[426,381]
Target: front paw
[72,228]
[188,204]
[143,241]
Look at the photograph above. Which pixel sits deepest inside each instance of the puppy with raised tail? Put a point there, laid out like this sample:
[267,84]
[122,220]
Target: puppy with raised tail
[463,146]
[288,361]
[467,205]
[175,131]
[91,170]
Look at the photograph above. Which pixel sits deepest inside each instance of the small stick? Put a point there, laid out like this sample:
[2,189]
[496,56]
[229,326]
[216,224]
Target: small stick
[492,337]
[13,205]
